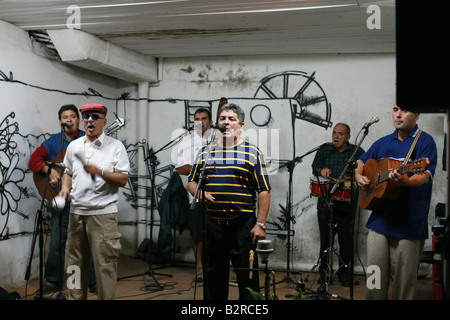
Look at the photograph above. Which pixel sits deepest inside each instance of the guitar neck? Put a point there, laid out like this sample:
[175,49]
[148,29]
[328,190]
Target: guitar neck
[383,177]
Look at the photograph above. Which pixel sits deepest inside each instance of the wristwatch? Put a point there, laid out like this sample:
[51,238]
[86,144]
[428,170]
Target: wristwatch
[262,225]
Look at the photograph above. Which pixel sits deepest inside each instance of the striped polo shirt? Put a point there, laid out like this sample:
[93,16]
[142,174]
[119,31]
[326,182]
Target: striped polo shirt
[235,176]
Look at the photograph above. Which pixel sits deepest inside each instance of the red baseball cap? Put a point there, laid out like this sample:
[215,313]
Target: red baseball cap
[94,107]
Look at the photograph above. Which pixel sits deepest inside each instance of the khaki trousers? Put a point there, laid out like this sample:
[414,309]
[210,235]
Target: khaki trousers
[95,237]
[397,259]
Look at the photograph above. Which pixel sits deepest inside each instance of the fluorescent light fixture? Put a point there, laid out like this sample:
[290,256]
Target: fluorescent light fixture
[53,26]
[130,4]
[261,10]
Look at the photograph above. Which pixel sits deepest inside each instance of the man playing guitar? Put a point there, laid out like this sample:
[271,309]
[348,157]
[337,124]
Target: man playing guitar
[40,162]
[50,149]
[399,228]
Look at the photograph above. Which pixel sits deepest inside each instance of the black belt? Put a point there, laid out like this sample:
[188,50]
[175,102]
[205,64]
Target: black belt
[221,221]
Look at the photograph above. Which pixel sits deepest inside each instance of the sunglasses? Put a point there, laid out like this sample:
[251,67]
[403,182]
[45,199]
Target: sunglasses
[94,116]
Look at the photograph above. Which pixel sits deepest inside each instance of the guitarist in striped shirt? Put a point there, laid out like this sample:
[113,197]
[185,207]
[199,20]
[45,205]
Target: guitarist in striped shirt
[237,198]
[398,230]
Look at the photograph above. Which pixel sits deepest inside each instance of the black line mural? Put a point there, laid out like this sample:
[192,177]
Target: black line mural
[12,175]
[307,102]
[307,99]
[163,175]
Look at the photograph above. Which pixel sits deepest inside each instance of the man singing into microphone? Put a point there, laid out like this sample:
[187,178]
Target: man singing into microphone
[96,167]
[50,151]
[329,162]
[237,181]
[398,230]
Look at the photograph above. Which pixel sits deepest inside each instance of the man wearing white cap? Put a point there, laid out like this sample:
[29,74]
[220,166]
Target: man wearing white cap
[96,166]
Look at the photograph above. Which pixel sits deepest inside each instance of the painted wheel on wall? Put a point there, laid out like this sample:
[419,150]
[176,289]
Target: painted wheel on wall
[307,98]
[261,115]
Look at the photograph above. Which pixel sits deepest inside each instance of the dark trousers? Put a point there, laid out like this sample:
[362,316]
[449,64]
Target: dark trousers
[56,254]
[341,226]
[228,241]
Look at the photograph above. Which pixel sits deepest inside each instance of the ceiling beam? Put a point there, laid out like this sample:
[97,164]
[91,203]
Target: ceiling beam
[90,52]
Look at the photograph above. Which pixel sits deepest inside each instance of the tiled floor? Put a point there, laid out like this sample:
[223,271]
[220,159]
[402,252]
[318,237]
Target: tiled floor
[176,283]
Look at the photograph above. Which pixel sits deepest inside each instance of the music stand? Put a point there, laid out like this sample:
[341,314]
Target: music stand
[153,163]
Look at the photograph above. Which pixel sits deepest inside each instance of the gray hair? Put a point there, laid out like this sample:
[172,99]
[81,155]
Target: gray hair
[234,107]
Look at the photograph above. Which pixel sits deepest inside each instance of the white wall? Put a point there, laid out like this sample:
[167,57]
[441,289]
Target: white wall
[356,86]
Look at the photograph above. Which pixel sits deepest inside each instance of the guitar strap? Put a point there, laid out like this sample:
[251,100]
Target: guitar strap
[412,147]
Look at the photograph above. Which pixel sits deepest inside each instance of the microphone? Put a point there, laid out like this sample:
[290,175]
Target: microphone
[221,128]
[67,124]
[329,144]
[55,165]
[188,128]
[374,119]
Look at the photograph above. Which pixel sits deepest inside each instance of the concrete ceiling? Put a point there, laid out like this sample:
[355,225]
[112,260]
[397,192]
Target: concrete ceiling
[195,28]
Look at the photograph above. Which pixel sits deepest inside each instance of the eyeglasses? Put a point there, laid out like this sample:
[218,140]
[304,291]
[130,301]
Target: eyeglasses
[94,116]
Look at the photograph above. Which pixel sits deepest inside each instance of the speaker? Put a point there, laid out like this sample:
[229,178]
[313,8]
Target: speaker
[423,55]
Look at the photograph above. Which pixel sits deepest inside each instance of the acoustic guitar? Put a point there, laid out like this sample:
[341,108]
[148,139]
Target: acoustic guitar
[381,189]
[40,180]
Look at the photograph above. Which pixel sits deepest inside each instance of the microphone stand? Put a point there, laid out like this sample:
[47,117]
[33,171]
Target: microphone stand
[60,216]
[39,233]
[153,163]
[40,229]
[202,175]
[328,206]
[291,165]
[202,181]
[351,164]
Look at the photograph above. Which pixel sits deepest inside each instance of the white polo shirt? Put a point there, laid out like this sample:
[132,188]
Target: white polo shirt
[89,195]
[188,150]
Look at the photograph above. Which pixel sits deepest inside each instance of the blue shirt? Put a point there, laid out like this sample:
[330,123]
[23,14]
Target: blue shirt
[235,176]
[53,144]
[407,217]
[50,150]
